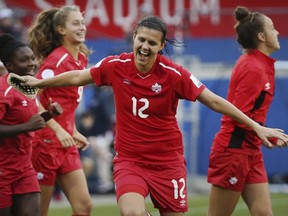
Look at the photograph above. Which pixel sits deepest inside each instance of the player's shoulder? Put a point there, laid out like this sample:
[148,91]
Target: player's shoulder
[7,92]
[3,78]
[124,59]
[120,59]
[57,56]
[248,63]
[3,82]
[169,66]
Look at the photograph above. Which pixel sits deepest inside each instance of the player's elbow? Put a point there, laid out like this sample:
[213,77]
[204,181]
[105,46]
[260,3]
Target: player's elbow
[218,105]
[75,79]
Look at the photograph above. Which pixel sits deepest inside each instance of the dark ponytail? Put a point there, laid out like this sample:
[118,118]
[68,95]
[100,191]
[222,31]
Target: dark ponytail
[248,25]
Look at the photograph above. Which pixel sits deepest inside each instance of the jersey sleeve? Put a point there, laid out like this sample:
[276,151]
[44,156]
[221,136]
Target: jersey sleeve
[102,72]
[188,87]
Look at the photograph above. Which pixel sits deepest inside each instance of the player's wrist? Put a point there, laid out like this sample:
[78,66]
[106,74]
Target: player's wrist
[46,115]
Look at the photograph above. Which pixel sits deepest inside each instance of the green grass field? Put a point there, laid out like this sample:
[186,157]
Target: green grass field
[198,206]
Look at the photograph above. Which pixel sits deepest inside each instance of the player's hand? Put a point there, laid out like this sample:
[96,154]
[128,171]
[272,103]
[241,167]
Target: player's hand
[36,122]
[281,144]
[30,81]
[264,133]
[65,138]
[54,108]
[80,140]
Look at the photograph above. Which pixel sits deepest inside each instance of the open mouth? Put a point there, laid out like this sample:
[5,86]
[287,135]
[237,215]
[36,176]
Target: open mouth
[80,36]
[143,54]
[31,72]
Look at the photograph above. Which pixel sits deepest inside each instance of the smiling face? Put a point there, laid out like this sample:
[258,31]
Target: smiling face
[147,43]
[23,62]
[270,42]
[74,31]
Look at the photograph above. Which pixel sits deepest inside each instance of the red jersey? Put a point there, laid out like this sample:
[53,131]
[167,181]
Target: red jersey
[15,108]
[146,105]
[59,61]
[251,90]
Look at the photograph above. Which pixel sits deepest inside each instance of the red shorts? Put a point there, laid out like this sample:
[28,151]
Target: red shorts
[49,162]
[232,171]
[165,183]
[22,184]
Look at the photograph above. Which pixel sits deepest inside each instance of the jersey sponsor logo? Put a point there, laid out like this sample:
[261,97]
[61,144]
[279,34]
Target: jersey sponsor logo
[267,86]
[156,88]
[182,202]
[126,81]
[233,180]
[47,140]
[24,103]
[40,175]
[47,73]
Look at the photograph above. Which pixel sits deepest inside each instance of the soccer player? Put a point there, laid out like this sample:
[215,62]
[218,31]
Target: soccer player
[19,119]
[148,143]
[57,38]
[236,162]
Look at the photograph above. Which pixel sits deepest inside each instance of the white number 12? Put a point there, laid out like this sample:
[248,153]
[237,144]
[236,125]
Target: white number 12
[178,192]
[139,111]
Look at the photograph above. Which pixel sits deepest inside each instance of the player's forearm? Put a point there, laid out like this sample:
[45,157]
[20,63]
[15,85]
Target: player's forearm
[53,125]
[70,78]
[230,110]
[221,105]
[13,130]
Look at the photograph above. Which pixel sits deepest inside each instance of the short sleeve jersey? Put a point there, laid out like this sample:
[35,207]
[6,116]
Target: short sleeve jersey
[60,61]
[146,105]
[251,89]
[15,108]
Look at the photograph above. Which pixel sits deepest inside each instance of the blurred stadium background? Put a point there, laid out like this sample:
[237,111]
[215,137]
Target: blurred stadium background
[206,28]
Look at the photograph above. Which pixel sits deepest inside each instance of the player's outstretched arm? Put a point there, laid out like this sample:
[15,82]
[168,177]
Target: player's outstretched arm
[69,78]
[221,105]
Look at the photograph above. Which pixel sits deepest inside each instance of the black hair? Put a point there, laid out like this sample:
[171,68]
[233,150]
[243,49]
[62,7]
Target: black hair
[8,45]
[154,22]
[248,25]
